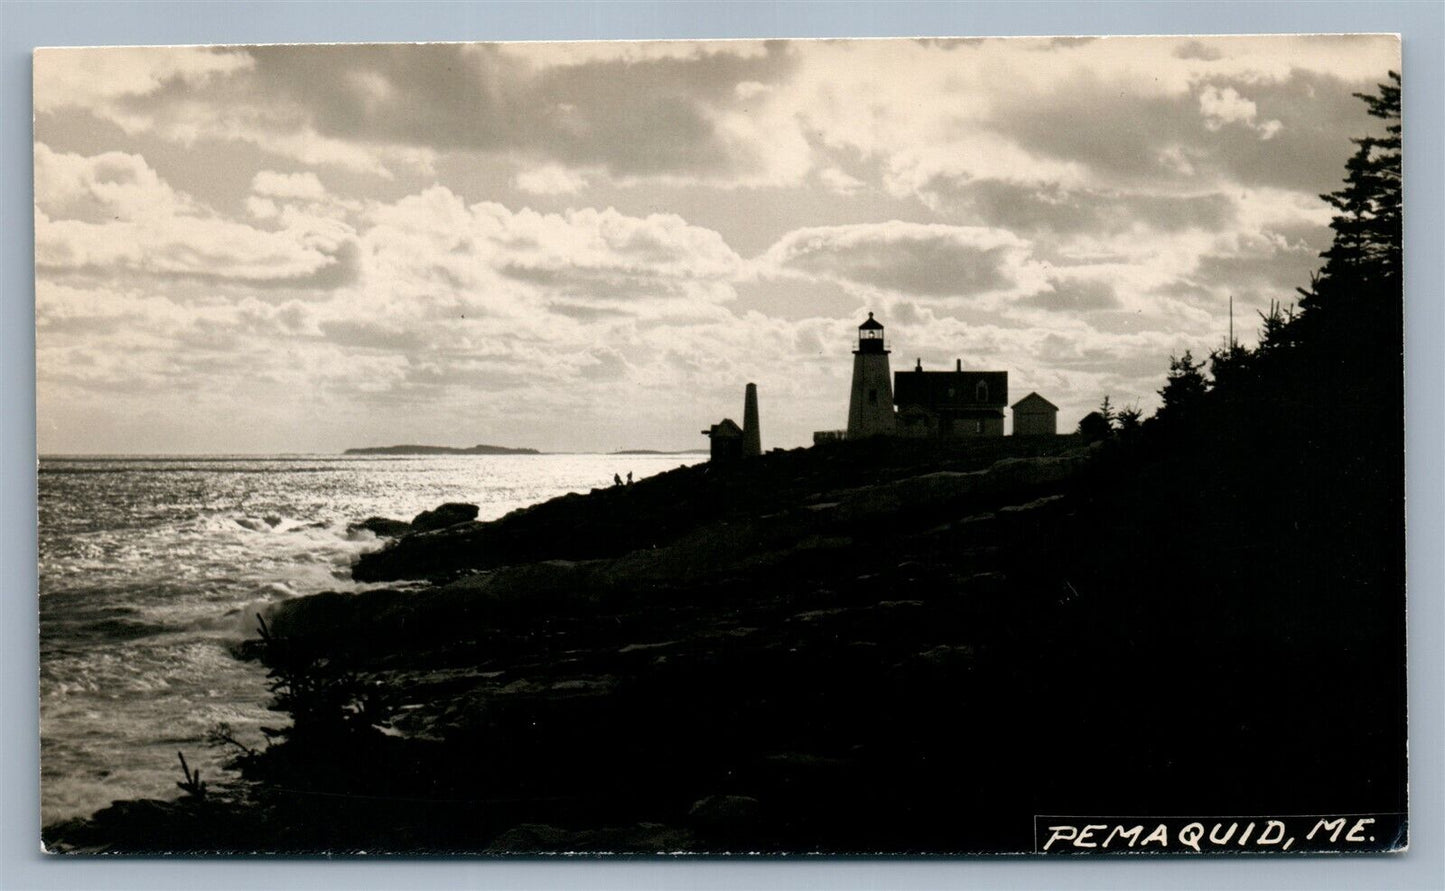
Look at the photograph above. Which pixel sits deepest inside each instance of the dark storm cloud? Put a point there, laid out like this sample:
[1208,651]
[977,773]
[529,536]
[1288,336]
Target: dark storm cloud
[1067,42]
[193,264]
[1196,50]
[1280,270]
[596,283]
[470,375]
[949,44]
[90,324]
[1303,232]
[1090,121]
[1167,138]
[906,313]
[1317,115]
[584,313]
[906,258]
[1122,360]
[1187,289]
[921,267]
[606,364]
[1269,266]
[374,335]
[932,267]
[1050,207]
[1073,295]
[632,116]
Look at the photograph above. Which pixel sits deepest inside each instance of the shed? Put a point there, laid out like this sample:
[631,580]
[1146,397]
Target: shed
[726,441]
[1035,416]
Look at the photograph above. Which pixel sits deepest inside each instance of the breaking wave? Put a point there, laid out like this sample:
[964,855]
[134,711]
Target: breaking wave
[153,569]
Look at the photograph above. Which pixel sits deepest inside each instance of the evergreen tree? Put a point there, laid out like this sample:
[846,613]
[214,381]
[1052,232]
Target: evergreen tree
[1183,389]
[1349,332]
[1366,253]
[1128,420]
[1230,364]
[1276,330]
[1106,411]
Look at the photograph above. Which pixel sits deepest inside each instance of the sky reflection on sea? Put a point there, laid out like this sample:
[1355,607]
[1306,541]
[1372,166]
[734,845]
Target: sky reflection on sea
[151,569]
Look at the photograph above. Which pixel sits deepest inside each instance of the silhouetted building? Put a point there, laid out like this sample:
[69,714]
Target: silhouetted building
[752,438]
[950,403]
[1094,426]
[726,441]
[870,405]
[1035,416]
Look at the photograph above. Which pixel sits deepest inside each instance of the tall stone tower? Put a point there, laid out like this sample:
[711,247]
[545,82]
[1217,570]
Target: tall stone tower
[870,407]
[752,438]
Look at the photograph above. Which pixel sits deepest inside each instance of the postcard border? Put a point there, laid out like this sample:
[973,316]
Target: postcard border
[32,24]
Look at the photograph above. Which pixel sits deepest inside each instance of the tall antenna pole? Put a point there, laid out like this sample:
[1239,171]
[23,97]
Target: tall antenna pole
[1231,321]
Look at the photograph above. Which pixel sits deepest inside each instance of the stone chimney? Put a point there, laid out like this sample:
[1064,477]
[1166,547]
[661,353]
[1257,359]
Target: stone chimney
[752,439]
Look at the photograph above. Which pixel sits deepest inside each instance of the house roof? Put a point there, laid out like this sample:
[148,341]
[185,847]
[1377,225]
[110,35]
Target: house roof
[1034,400]
[726,427]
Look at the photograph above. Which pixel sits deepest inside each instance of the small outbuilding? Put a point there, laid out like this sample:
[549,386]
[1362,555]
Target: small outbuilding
[1035,416]
[726,441]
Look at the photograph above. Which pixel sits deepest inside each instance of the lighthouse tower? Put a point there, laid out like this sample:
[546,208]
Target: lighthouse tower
[870,407]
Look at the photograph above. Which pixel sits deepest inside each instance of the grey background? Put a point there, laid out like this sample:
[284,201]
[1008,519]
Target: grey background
[25,25]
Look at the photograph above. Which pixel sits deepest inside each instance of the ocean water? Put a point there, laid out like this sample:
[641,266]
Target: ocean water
[152,569]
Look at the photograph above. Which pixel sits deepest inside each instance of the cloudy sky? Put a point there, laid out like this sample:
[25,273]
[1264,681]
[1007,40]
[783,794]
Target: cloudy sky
[593,246]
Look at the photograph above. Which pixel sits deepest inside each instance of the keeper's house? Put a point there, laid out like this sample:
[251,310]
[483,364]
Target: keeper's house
[954,403]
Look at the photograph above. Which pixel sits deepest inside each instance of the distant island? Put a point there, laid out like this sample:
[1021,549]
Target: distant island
[440,450]
[659,452]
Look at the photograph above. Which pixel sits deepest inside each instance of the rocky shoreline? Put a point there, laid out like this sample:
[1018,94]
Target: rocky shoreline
[879,646]
[602,612]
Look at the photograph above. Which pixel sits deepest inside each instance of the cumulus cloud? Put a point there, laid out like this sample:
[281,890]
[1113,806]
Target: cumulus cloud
[1221,107]
[364,239]
[112,213]
[728,112]
[839,181]
[91,77]
[585,256]
[632,114]
[550,179]
[304,186]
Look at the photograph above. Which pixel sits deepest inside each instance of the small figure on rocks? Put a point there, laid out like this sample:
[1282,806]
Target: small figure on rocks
[616,480]
[629,477]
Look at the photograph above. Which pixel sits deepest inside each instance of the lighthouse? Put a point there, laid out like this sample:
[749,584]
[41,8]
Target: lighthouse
[870,407]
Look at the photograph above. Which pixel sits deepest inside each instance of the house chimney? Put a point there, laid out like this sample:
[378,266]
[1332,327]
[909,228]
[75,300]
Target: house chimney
[959,366]
[919,366]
